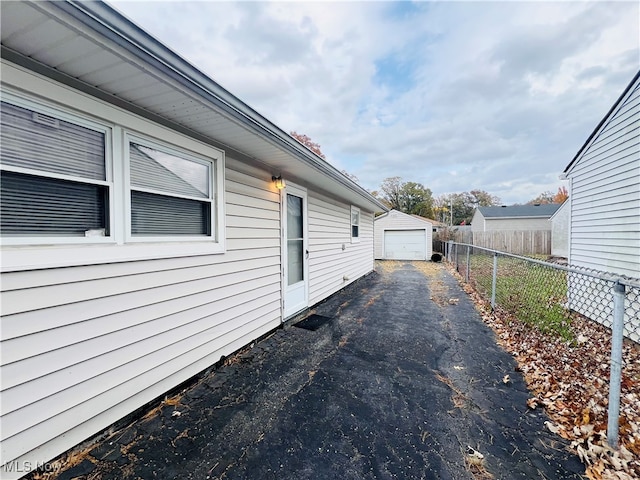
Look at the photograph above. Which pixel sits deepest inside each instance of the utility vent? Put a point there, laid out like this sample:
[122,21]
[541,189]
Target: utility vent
[44,120]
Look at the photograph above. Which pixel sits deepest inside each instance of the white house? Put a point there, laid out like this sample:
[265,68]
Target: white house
[560,230]
[514,217]
[604,228]
[604,181]
[146,231]
[399,236]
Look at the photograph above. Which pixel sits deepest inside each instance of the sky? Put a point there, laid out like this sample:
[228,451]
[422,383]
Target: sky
[457,96]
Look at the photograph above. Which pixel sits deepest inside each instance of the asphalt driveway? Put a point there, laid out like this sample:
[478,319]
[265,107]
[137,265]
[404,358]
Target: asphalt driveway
[394,377]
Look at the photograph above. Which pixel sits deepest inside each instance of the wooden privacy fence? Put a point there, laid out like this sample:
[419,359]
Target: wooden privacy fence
[518,242]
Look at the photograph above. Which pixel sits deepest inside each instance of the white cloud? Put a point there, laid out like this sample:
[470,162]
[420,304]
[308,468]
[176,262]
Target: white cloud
[503,94]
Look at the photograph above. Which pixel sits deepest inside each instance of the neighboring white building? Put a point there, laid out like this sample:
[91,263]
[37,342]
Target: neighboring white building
[560,230]
[513,218]
[605,191]
[399,236]
[143,236]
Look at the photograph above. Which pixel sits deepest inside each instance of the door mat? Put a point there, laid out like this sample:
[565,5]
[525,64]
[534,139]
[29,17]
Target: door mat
[313,322]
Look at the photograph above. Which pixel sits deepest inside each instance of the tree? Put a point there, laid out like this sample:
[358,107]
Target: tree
[561,195]
[549,197]
[483,199]
[542,199]
[416,199]
[408,197]
[307,142]
[390,192]
[458,208]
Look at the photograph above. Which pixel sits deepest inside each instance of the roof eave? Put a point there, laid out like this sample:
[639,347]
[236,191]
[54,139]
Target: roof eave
[101,18]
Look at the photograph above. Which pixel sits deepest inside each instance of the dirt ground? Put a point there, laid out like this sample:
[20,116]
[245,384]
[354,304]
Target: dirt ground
[394,377]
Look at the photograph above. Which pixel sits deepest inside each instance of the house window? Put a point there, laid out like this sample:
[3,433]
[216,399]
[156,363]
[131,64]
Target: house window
[171,192]
[72,175]
[54,177]
[355,224]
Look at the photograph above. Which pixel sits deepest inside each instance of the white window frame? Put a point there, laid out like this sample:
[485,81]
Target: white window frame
[181,153]
[351,224]
[32,253]
[55,112]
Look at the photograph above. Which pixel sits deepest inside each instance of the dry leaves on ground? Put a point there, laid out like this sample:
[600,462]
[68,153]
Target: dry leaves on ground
[570,380]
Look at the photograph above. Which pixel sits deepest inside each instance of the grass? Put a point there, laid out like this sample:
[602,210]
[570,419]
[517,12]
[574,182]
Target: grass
[532,293]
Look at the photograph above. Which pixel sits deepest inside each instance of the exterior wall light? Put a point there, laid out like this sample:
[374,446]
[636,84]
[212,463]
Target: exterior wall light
[278,182]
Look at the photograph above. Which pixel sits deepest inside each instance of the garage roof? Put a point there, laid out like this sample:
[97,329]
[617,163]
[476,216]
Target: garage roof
[520,211]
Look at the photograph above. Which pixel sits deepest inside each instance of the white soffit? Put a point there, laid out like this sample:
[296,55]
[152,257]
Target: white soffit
[50,35]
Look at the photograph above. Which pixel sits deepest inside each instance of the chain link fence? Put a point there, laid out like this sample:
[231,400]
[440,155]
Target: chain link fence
[550,296]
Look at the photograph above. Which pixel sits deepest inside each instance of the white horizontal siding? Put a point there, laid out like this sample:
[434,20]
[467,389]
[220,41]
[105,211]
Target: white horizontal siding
[520,224]
[329,230]
[395,220]
[83,346]
[560,231]
[605,194]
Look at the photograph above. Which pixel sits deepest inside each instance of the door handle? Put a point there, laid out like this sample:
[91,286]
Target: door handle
[307,252]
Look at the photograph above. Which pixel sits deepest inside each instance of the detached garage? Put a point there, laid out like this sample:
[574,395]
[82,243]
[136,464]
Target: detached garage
[399,236]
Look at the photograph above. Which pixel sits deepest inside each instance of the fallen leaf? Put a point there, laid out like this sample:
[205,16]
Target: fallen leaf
[552,428]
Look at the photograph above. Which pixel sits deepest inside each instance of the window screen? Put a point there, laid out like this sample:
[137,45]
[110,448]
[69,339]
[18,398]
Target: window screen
[170,194]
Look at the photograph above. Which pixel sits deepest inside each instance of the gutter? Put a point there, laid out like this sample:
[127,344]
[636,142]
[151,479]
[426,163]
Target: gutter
[108,22]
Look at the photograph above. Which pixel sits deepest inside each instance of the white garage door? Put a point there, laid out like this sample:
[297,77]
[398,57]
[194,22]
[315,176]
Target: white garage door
[405,245]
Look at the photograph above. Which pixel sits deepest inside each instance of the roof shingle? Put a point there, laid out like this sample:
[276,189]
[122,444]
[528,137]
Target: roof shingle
[523,211]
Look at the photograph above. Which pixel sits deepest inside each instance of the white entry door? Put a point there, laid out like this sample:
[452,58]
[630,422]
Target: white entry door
[296,253]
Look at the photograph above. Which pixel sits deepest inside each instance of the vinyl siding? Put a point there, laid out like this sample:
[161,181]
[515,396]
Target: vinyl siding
[84,346]
[560,231]
[329,229]
[399,221]
[519,224]
[605,194]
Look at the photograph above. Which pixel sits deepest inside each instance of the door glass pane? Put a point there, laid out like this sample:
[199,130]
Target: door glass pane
[295,241]
[295,271]
[294,217]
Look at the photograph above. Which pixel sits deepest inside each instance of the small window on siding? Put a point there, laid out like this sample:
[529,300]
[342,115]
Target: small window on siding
[355,224]
[54,176]
[171,192]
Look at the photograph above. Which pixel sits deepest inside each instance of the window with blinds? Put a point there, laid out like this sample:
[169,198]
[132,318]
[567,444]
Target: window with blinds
[355,224]
[63,177]
[53,176]
[171,192]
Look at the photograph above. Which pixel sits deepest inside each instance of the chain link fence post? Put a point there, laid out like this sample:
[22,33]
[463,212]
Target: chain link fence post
[466,275]
[617,332]
[449,247]
[494,279]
